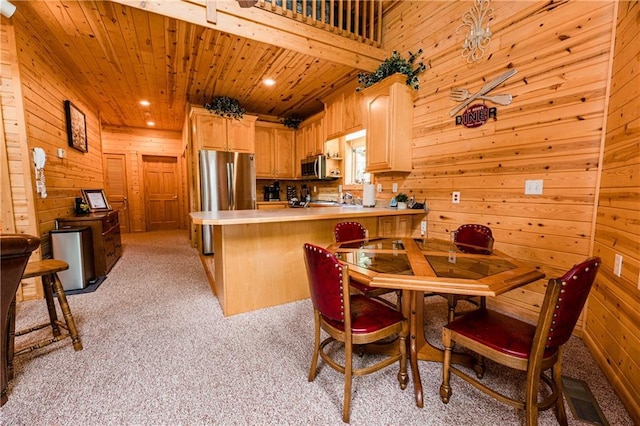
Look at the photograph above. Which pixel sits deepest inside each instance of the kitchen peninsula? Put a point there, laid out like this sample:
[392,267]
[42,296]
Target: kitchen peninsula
[258,260]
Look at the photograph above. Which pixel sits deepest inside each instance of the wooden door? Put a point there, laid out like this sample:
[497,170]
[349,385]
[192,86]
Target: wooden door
[116,187]
[162,192]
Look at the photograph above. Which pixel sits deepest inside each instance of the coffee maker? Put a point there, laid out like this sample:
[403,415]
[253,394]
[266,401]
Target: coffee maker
[272,192]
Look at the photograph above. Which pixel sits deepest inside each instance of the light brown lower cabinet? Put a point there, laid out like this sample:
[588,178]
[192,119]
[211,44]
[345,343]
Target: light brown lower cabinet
[392,226]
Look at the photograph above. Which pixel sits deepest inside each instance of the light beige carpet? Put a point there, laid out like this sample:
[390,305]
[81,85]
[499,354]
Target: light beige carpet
[157,351]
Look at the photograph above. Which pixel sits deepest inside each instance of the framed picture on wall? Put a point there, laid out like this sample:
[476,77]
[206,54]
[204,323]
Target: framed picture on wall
[96,199]
[76,127]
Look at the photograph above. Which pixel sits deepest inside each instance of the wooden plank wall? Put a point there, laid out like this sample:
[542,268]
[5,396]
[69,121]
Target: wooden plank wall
[612,329]
[551,131]
[18,212]
[38,112]
[134,143]
[554,131]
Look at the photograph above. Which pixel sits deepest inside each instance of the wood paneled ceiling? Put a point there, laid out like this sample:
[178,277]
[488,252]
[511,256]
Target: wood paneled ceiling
[119,55]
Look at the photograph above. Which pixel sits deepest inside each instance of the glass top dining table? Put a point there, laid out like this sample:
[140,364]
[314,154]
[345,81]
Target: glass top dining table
[427,265]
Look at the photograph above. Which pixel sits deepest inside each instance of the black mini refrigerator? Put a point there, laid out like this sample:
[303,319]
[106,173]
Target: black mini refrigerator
[74,246]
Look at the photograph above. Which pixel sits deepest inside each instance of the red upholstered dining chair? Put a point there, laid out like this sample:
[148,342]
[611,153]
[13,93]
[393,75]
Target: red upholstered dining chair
[15,250]
[347,231]
[523,346]
[481,237]
[351,319]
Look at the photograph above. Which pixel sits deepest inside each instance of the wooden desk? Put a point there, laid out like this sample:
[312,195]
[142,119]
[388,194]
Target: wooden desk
[420,265]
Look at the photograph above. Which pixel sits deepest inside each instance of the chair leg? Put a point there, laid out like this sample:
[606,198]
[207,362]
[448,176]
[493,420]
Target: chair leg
[531,398]
[316,348]
[11,339]
[561,414]
[445,387]
[47,286]
[66,313]
[348,377]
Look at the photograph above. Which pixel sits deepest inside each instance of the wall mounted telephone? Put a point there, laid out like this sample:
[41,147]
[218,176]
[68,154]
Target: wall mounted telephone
[40,158]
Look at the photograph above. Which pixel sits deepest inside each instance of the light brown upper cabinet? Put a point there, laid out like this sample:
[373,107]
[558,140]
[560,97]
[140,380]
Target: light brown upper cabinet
[343,112]
[310,138]
[275,150]
[388,118]
[210,131]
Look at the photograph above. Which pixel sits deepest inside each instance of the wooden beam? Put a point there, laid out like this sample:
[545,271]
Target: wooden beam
[266,27]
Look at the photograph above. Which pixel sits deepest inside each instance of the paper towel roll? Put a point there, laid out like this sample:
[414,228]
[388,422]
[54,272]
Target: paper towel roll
[369,195]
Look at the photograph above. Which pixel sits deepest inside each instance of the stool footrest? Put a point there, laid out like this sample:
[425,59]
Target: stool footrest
[39,327]
[41,344]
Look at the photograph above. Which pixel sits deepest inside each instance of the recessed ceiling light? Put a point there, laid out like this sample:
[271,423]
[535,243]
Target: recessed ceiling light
[269,82]
[151,123]
[145,103]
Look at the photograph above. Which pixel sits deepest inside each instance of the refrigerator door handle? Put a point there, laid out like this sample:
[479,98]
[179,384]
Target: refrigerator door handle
[230,186]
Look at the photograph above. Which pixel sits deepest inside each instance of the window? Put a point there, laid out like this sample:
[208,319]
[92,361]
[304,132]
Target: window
[356,159]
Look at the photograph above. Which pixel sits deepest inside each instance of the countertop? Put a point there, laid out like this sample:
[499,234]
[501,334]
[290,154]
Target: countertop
[239,217]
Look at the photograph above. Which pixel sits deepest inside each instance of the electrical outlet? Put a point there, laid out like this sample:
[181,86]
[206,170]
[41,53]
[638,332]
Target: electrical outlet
[315,189]
[533,187]
[423,228]
[339,188]
[379,187]
[617,265]
[455,197]
[394,188]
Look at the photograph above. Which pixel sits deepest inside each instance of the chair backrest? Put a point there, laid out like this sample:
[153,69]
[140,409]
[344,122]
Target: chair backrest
[326,282]
[347,231]
[474,234]
[567,303]
[15,250]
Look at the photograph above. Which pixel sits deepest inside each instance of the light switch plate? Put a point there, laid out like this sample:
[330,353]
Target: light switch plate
[379,187]
[533,187]
[394,187]
[617,265]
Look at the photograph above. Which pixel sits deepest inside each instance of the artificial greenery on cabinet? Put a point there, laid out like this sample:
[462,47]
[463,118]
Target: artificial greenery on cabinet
[225,107]
[292,122]
[393,65]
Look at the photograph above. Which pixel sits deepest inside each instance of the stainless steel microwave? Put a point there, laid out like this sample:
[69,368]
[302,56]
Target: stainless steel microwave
[315,168]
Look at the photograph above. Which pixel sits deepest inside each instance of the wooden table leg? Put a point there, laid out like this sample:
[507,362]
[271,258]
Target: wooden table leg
[423,350]
[414,332]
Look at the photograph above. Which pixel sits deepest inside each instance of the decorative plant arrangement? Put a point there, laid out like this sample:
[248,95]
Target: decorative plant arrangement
[292,122]
[225,107]
[402,197]
[392,65]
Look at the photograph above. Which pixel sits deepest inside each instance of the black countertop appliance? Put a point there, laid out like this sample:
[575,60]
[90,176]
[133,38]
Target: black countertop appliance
[272,192]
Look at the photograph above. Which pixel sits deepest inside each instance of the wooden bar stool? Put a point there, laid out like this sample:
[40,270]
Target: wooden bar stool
[47,269]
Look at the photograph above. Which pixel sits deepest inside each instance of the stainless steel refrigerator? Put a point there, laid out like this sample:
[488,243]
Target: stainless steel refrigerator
[227,182]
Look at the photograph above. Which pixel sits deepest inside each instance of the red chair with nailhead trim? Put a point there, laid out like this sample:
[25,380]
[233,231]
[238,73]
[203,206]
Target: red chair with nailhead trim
[523,346]
[350,319]
[348,231]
